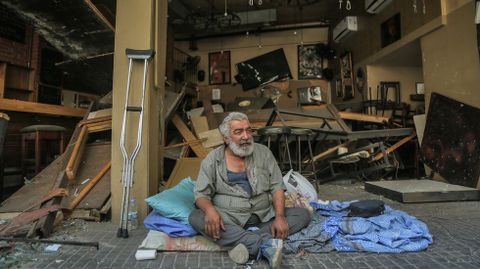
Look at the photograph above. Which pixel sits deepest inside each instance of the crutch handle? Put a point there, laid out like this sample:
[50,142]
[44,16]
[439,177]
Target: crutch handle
[134,108]
[139,54]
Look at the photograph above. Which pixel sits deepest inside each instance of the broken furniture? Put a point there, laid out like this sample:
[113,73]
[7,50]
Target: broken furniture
[307,135]
[419,191]
[361,162]
[282,134]
[41,135]
[87,127]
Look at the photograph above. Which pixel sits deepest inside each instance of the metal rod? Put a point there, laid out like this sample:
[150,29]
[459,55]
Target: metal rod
[47,241]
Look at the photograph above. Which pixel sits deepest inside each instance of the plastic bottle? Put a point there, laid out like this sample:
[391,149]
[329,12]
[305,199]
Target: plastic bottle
[132,215]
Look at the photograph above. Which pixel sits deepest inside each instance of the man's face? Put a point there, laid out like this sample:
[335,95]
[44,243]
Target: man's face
[241,139]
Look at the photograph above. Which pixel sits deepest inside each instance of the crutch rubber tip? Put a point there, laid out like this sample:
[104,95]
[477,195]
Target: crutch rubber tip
[119,232]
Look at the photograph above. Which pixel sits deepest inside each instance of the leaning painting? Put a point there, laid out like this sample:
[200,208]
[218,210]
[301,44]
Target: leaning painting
[451,141]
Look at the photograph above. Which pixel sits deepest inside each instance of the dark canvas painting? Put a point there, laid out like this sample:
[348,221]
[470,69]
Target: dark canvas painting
[451,143]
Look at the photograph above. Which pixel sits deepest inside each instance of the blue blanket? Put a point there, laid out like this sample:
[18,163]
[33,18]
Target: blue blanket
[392,232]
[155,221]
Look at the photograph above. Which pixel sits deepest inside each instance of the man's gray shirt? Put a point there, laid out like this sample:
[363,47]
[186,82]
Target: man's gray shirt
[233,203]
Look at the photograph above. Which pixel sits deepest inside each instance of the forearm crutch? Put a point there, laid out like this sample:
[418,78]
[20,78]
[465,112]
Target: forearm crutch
[129,160]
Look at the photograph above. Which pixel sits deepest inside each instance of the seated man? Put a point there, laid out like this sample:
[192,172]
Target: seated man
[240,186]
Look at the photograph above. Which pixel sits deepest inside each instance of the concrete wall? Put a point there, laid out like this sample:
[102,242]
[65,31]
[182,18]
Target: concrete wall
[450,56]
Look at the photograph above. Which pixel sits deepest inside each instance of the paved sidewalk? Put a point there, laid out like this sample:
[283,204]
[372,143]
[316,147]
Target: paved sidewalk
[455,228]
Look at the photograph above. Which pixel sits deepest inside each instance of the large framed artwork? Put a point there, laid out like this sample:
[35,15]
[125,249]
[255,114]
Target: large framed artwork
[309,62]
[346,76]
[451,141]
[219,67]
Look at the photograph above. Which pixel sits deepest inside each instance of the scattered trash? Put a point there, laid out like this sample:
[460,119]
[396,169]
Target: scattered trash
[59,261]
[145,254]
[85,181]
[75,193]
[52,248]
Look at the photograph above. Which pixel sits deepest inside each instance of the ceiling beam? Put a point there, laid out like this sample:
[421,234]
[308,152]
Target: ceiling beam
[100,15]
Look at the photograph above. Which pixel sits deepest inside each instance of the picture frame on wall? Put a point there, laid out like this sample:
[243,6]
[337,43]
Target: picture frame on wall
[309,62]
[219,68]
[391,30]
[420,88]
[346,76]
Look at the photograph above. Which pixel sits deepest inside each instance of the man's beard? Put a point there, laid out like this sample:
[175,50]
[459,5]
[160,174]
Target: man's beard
[243,149]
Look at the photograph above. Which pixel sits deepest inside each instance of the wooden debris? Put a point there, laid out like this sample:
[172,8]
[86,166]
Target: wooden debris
[185,143]
[185,167]
[199,124]
[329,151]
[199,150]
[213,138]
[89,186]
[394,147]
[75,158]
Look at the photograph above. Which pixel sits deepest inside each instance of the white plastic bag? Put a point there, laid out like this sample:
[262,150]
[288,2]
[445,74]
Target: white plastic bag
[295,182]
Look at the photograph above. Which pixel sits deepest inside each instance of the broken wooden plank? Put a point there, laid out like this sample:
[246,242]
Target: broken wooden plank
[363,117]
[100,15]
[44,226]
[199,124]
[94,157]
[212,121]
[199,150]
[330,151]
[3,76]
[185,143]
[94,120]
[100,113]
[99,127]
[185,167]
[76,156]
[90,185]
[31,107]
[85,214]
[213,138]
[353,116]
[394,147]
[106,207]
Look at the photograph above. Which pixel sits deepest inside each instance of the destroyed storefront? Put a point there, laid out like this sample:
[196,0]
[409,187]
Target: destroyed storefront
[333,109]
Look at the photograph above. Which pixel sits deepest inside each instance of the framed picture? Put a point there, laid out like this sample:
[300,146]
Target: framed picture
[309,62]
[346,76]
[391,30]
[219,67]
[420,88]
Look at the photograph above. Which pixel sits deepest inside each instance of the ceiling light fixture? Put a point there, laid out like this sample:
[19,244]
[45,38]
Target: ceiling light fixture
[251,2]
[348,4]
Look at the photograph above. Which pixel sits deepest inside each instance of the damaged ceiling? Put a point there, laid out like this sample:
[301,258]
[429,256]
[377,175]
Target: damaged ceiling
[83,31]
[72,27]
[207,17]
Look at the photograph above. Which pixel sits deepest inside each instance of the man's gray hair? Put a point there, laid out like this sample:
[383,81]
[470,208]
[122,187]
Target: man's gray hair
[225,126]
